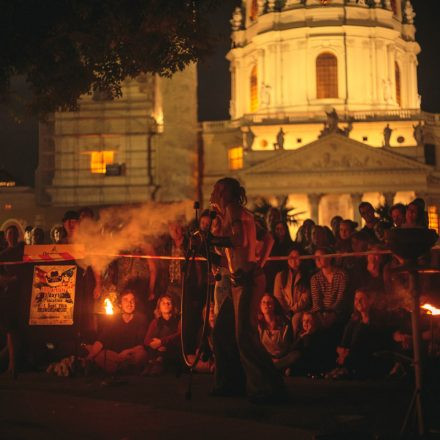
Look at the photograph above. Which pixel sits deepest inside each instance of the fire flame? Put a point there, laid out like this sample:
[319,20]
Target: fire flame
[108,307]
[431,309]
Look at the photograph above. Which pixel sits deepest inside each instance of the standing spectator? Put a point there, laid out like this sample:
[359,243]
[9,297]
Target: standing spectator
[27,234]
[37,236]
[335,224]
[58,234]
[12,235]
[398,213]
[329,290]
[415,216]
[366,211]
[292,289]
[281,247]
[70,224]
[162,340]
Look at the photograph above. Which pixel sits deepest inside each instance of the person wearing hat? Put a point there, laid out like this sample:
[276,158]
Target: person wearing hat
[70,224]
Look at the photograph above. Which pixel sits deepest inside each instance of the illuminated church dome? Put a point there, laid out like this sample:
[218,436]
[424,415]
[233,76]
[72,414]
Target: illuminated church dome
[293,57]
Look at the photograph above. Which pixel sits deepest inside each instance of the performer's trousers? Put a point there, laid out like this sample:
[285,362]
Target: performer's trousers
[241,360]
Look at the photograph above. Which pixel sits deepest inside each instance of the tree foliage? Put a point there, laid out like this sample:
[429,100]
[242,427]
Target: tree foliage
[67,48]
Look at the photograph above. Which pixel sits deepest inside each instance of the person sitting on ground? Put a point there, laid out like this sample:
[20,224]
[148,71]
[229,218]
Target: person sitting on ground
[119,347]
[364,335]
[367,212]
[292,289]
[398,214]
[275,331]
[206,364]
[329,290]
[162,340]
[310,354]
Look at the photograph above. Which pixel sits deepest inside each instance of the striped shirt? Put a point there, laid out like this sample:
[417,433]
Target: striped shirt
[329,296]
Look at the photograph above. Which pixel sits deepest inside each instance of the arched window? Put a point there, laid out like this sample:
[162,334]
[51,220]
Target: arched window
[326,76]
[397,78]
[254,89]
[253,12]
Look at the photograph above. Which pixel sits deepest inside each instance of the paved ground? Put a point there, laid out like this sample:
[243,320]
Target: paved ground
[39,406]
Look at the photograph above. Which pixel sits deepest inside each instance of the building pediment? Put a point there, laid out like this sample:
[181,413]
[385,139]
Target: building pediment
[336,153]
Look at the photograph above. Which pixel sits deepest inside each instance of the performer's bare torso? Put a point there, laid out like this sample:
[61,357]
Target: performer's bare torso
[238,220]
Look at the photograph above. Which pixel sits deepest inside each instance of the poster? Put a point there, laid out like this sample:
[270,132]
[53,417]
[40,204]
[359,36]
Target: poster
[53,295]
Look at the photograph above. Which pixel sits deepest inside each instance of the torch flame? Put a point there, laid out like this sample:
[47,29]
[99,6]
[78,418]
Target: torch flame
[108,307]
[431,309]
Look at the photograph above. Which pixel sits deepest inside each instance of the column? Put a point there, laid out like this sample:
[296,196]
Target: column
[356,199]
[314,200]
[389,198]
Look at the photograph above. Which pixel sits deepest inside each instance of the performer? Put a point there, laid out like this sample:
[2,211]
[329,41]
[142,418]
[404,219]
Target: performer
[255,373]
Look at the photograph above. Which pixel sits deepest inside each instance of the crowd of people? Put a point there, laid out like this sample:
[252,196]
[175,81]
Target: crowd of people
[319,309]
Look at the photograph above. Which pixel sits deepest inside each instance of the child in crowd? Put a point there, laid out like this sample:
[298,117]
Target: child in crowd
[162,341]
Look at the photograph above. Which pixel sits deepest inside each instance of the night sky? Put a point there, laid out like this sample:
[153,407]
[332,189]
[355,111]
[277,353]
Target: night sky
[19,140]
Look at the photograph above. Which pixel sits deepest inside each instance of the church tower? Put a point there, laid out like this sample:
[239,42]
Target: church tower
[324,107]
[138,148]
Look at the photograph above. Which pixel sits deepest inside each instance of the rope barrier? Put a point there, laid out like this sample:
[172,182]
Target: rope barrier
[178,258]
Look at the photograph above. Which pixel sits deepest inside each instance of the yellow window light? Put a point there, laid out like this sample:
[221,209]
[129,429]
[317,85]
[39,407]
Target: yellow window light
[235,158]
[433,218]
[99,161]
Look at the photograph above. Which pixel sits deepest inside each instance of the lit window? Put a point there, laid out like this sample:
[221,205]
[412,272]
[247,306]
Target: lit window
[7,206]
[326,76]
[235,158]
[433,218]
[397,75]
[254,89]
[8,183]
[253,13]
[99,160]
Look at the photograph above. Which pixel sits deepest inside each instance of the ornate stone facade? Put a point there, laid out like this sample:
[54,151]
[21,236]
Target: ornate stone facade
[339,80]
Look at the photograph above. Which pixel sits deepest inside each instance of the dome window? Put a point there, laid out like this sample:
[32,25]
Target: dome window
[326,76]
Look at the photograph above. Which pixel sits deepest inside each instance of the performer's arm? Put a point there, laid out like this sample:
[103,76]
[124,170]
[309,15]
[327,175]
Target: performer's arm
[268,242]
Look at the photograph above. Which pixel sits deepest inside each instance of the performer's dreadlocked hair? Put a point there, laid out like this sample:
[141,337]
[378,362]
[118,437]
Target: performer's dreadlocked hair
[238,193]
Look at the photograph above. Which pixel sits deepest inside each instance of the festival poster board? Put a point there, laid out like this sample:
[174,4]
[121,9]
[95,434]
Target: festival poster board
[53,295]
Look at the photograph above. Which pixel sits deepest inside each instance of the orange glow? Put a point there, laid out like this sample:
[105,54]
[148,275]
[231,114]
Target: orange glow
[431,309]
[99,160]
[108,307]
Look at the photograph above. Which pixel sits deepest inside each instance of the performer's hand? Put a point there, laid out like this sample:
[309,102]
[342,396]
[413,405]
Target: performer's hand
[155,343]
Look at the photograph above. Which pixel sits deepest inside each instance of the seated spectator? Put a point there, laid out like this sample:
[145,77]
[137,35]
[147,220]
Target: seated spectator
[398,214]
[292,289]
[304,235]
[343,245]
[365,334]
[206,363]
[310,353]
[329,290]
[275,331]
[162,340]
[119,347]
